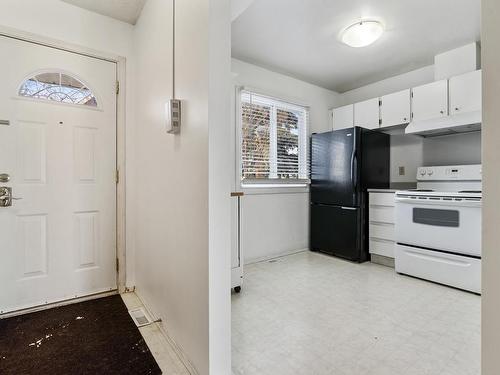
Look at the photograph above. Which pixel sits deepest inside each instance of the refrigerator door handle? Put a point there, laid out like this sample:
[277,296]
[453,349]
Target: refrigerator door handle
[349,208]
[354,177]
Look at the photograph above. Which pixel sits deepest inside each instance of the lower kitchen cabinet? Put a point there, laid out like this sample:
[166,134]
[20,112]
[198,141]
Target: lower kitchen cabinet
[381,227]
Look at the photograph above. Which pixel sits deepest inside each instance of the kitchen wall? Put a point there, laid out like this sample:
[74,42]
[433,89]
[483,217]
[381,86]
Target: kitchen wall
[411,151]
[452,149]
[182,211]
[490,309]
[277,222]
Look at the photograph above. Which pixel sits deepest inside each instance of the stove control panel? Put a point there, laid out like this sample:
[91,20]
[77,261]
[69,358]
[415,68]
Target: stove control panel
[450,173]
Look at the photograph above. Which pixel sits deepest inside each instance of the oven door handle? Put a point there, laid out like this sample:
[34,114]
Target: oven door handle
[418,202]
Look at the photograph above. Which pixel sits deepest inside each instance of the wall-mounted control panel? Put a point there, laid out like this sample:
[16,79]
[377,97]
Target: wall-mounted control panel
[173,113]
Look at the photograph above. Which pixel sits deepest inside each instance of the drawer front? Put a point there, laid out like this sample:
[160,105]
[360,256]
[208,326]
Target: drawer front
[381,247]
[449,269]
[382,199]
[382,215]
[382,231]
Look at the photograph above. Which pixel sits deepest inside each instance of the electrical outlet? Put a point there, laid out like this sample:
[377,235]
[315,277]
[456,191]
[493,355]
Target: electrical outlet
[401,171]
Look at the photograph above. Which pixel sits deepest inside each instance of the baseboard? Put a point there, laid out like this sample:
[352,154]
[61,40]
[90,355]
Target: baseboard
[58,303]
[274,256]
[382,260]
[164,330]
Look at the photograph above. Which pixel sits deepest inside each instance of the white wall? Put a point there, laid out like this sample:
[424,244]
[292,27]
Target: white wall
[219,188]
[453,149]
[275,224]
[491,182]
[182,210]
[406,151]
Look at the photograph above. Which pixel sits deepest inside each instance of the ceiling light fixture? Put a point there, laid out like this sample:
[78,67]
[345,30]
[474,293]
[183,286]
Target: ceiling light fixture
[362,33]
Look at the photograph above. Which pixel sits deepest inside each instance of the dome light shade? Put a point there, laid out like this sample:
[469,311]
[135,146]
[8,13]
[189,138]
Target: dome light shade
[362,33]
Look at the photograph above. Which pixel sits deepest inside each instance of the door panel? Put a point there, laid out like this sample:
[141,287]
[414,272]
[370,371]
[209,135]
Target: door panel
[336,230]
[395,108]
[367,114]
[430,101]
[465,93]
[59,241]
[334,167]
[343,117]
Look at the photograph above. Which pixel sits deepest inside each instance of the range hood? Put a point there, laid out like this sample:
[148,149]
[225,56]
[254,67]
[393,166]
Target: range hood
[453,124]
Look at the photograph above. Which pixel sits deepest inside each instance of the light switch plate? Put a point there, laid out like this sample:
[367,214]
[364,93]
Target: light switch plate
[402,171]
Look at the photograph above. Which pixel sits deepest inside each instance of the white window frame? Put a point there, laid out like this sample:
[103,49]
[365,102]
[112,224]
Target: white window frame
[266,186]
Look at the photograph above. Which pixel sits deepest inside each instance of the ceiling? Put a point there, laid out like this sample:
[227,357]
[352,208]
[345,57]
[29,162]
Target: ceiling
[300,38]
[123,10]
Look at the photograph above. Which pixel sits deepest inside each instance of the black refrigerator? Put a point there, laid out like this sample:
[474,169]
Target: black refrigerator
[344,164]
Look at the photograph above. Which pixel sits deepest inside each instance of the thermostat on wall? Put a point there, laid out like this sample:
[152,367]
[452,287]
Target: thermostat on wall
[173,113]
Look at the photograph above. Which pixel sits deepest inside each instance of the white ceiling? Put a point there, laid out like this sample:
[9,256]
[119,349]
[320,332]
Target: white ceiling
[300,38]
[123,10]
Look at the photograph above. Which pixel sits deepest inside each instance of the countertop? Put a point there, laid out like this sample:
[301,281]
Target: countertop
[395,187]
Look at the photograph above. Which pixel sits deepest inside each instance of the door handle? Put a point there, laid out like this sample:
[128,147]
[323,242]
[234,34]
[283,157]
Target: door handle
[349,208]
[6,197]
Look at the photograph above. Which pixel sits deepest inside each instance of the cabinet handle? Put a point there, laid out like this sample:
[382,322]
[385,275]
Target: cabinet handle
[404,119]
[442,112]
[457,109]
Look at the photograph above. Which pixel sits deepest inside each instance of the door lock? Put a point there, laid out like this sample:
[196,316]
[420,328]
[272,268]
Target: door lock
[6,196]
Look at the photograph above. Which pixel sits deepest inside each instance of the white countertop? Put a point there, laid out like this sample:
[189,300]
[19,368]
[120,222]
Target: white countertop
[383,190]
[395,187]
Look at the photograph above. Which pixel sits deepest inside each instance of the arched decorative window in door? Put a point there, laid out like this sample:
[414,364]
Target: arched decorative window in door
[58,87]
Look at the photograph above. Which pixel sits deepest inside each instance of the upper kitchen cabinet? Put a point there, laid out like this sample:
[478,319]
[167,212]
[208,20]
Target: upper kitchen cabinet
[430,101]
[465,93]
[343,117]
[367,114]
[395,109]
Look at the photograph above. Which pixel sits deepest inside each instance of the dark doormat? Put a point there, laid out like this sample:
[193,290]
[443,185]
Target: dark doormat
[93,337]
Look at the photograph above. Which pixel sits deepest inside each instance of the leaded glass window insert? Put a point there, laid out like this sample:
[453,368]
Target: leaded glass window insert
[58,87]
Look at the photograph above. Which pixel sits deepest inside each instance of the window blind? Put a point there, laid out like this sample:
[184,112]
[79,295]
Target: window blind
[274,140]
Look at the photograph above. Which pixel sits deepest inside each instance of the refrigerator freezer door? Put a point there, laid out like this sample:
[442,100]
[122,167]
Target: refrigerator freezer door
[335,165]
[337,231]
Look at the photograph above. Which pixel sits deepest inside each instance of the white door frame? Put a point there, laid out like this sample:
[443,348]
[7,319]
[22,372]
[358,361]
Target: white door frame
[120,133]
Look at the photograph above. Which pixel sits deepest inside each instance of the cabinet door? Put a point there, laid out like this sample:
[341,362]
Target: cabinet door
[465,93]
[367,114]
[395,109]
[430,101]
[343,117]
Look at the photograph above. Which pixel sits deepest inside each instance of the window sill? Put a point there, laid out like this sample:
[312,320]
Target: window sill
[266,189]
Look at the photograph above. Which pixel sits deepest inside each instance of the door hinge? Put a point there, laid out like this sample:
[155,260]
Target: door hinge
[117,265]
[380,122]
[380,103]
[117,176]
[117,87]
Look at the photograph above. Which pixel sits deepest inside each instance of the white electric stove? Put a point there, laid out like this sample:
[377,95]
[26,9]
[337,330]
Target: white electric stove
[438,227]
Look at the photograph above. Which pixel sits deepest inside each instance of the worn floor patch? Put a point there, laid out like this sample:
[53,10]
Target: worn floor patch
[93,337]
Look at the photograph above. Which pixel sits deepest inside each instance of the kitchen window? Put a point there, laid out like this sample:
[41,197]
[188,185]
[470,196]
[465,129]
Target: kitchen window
[273,141]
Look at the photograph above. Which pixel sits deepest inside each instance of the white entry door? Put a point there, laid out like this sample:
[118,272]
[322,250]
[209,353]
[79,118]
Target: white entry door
[58,147]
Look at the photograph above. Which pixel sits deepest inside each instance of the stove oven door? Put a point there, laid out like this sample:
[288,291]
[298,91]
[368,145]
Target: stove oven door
[452,226]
